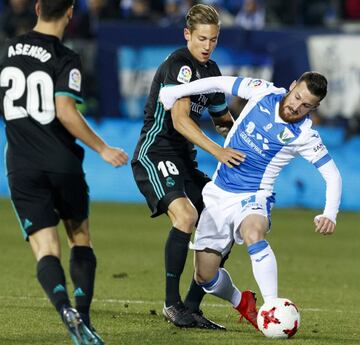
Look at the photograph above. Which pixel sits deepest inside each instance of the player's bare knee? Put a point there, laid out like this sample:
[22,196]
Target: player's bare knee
[77,232]
[253,235]
[201,277]
[187,219]
[47,252]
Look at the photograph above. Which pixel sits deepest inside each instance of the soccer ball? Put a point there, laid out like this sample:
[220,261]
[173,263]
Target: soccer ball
[278,318]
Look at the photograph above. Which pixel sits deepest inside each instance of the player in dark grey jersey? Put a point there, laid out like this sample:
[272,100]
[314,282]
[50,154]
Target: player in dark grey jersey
[164,165]
[40,83]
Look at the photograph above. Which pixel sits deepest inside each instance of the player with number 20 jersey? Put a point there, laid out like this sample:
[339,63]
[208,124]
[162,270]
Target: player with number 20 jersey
[34,69]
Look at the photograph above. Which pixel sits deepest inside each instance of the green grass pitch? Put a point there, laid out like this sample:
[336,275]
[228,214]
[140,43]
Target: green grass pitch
[320,274]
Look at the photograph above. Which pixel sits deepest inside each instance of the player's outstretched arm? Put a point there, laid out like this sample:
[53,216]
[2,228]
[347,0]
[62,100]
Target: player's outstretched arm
[169,94]
[191,131]
[75,123]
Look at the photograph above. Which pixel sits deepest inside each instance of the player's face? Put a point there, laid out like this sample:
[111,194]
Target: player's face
[202,41]
[297,103]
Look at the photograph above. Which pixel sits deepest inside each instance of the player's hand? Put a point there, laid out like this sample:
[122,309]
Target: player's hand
[229,156]
[167,97]
[114,155]
[324,225]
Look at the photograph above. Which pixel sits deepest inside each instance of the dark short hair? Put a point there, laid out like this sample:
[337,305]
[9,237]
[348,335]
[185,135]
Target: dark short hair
[201,14]
[316,83]
[54,9]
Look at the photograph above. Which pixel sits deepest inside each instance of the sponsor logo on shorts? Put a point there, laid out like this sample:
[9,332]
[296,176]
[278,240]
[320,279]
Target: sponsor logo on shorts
[250,199]
[27,224]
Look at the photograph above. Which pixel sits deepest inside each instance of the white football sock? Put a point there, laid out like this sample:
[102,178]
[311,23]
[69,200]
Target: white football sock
[264,268]
[223,287]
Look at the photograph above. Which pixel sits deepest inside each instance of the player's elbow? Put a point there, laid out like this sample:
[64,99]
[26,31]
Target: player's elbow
[61,114]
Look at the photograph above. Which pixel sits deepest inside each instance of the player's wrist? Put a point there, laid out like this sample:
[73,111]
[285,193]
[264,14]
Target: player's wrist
[325,215]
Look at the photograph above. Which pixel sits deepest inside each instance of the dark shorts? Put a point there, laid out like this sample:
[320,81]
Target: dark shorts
[41,199]
[163,179]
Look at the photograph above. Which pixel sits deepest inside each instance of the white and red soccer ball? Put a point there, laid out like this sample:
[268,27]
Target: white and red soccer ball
[278,318]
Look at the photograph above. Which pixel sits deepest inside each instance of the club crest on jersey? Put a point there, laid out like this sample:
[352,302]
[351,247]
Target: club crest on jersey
[170,182]
[285,135]
[75,80]
[184,75]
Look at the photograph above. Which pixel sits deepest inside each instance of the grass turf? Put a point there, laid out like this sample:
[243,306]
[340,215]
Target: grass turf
[320,274]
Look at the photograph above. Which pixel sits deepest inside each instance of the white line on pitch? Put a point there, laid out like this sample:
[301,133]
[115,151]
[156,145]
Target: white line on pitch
[124,301]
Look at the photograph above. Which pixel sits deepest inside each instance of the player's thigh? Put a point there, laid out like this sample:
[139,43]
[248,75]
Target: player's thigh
[195,181]
[71,197]
[252,216]
[214,231]
[33,199]
[160,179]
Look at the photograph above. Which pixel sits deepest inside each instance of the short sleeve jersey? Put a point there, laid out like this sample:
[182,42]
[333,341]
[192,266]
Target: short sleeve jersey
[34,69]
[158,134]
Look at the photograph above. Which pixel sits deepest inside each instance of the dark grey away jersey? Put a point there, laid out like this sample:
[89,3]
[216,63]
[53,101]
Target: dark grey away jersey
[158,134]
[34,68]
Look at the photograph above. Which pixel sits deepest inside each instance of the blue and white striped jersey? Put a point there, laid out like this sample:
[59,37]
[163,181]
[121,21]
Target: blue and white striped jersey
[269,142]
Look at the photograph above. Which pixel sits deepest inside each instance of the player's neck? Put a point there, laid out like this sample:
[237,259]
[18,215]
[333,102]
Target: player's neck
[50,28]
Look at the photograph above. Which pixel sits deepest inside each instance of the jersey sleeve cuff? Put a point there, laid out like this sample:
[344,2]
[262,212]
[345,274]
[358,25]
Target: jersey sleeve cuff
[78,99]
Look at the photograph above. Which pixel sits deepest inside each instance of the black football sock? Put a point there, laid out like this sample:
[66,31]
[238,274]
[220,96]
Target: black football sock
[82,272]
[176,249]
[194,296]
[196,293]
[52,279]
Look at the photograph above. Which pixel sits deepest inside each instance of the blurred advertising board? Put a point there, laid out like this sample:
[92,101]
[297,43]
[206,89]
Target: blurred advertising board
[137,67]
[337,57]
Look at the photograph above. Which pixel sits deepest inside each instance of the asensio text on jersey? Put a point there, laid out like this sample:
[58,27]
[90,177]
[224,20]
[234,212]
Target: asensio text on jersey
[35,68]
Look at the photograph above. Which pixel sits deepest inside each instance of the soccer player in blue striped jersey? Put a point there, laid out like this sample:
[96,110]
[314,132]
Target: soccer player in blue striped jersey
[274,127]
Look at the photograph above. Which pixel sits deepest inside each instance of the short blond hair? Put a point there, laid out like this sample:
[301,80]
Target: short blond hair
[201,14]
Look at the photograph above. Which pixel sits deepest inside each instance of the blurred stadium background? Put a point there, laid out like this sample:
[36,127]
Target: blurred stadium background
[123,42]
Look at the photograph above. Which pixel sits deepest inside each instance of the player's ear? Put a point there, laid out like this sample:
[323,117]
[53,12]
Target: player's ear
[292,85]
[37,8]
[187,34]
[70,12]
